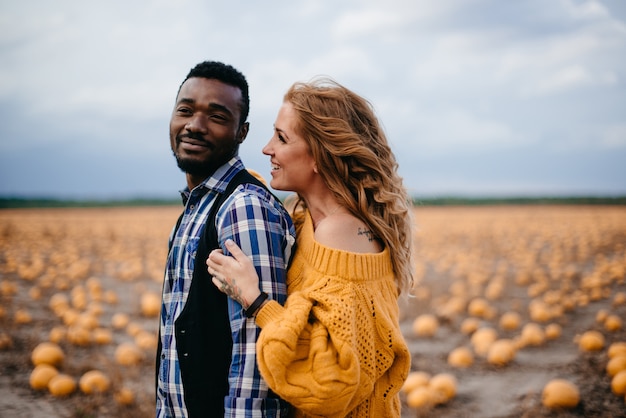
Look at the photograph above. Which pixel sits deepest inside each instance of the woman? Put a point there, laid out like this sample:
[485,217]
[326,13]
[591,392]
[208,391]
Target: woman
[335,349]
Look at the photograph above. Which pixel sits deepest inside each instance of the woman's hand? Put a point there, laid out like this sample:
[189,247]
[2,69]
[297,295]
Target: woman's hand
[235,276]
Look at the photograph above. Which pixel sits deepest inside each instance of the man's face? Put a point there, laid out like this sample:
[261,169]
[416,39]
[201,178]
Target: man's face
[204,128]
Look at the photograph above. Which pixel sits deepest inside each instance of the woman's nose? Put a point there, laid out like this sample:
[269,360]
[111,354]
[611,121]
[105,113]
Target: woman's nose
[267,149]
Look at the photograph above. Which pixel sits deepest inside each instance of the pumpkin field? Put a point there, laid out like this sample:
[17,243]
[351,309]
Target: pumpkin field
[517,311]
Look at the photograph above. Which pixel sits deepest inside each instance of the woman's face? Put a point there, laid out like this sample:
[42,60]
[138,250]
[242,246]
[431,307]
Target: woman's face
[292,163]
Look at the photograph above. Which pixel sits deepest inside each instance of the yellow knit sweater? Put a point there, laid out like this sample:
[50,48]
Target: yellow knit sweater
[335,349]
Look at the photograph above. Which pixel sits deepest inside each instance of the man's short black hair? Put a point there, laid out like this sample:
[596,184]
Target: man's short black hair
[226,74]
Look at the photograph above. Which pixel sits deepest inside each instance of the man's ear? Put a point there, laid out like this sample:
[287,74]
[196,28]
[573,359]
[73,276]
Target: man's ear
[243,132]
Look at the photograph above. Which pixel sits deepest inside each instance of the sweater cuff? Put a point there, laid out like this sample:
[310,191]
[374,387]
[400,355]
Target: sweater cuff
[270,310]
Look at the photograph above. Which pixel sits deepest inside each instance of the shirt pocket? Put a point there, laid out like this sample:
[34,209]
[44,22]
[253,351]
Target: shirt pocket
[191,250]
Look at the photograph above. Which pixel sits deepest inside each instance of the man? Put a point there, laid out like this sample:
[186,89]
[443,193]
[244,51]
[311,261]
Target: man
[206,359]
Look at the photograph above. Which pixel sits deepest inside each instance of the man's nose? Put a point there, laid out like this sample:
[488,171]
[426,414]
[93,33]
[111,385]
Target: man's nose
[196,123]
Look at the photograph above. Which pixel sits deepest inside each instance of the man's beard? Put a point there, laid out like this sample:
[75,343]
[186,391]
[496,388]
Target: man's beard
[194,167]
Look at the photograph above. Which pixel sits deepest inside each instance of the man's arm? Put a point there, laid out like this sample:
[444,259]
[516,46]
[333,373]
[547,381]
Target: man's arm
[258,224]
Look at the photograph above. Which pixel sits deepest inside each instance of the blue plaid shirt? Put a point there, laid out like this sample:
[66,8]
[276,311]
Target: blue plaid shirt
[256,221]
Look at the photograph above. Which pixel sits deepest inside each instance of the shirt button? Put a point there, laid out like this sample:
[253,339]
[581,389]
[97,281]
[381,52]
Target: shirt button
[162,356]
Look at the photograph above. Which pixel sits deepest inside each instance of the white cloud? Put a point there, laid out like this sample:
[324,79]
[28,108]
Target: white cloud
[375,21]
[614,137]
[457,60]
[585,10]
[449,78]
[454,129]
[414,128]
[566,79]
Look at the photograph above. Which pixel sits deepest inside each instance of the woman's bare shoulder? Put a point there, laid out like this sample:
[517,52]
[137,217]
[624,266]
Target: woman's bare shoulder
[344,231]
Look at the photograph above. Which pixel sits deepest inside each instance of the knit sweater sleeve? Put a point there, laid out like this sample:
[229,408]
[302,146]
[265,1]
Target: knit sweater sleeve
[335,344]
[306,358]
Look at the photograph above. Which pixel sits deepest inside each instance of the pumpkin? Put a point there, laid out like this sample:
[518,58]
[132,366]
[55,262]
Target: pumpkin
[62,385]
[70,316]
[452,307]
[591,341]
[120,320]
[110,297]
[469,325]
[560,393]
[616,365]
[79,335]
[102,336]
[553,331]
[461,357]
[41,376]
[414,380]
[618,383]
[539,311]
[425,325]
[420,397]
[616,349]
[146,340]
[133,329]
[88,321]
[34,293]
[57,334]
[150,304]
[482,339]
[501,352]
[510,321]
[480,308]
[619,298]
[59,302]
[95,309]
[47,353]
[601,315]
[124,396]
[444,387]
[79,299]
[5,341]
[94,381]
[128,354]
[532,335]
[613,323]
[22,316]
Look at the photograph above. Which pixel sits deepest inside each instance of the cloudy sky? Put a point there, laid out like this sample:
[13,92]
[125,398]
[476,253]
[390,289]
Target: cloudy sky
[478,97]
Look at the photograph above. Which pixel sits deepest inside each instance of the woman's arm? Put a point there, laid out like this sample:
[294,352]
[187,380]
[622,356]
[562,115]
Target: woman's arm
[235,276]
[304,353]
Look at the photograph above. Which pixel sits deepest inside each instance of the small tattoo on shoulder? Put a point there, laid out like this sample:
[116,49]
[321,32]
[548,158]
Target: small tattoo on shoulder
[367,232]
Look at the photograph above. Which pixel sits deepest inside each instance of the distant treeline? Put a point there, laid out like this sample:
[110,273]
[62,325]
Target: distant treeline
[17,202]
[477,201]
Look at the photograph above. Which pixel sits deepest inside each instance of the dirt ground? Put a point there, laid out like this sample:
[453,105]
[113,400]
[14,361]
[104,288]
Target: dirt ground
[571,258]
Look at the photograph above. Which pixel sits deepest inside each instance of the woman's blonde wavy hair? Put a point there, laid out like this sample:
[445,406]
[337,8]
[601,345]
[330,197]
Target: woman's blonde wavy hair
[355,160]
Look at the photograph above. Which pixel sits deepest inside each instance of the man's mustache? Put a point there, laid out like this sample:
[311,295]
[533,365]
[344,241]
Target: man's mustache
[193,135]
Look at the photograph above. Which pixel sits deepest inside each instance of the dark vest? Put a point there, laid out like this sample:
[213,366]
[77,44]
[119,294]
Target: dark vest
[203,335]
